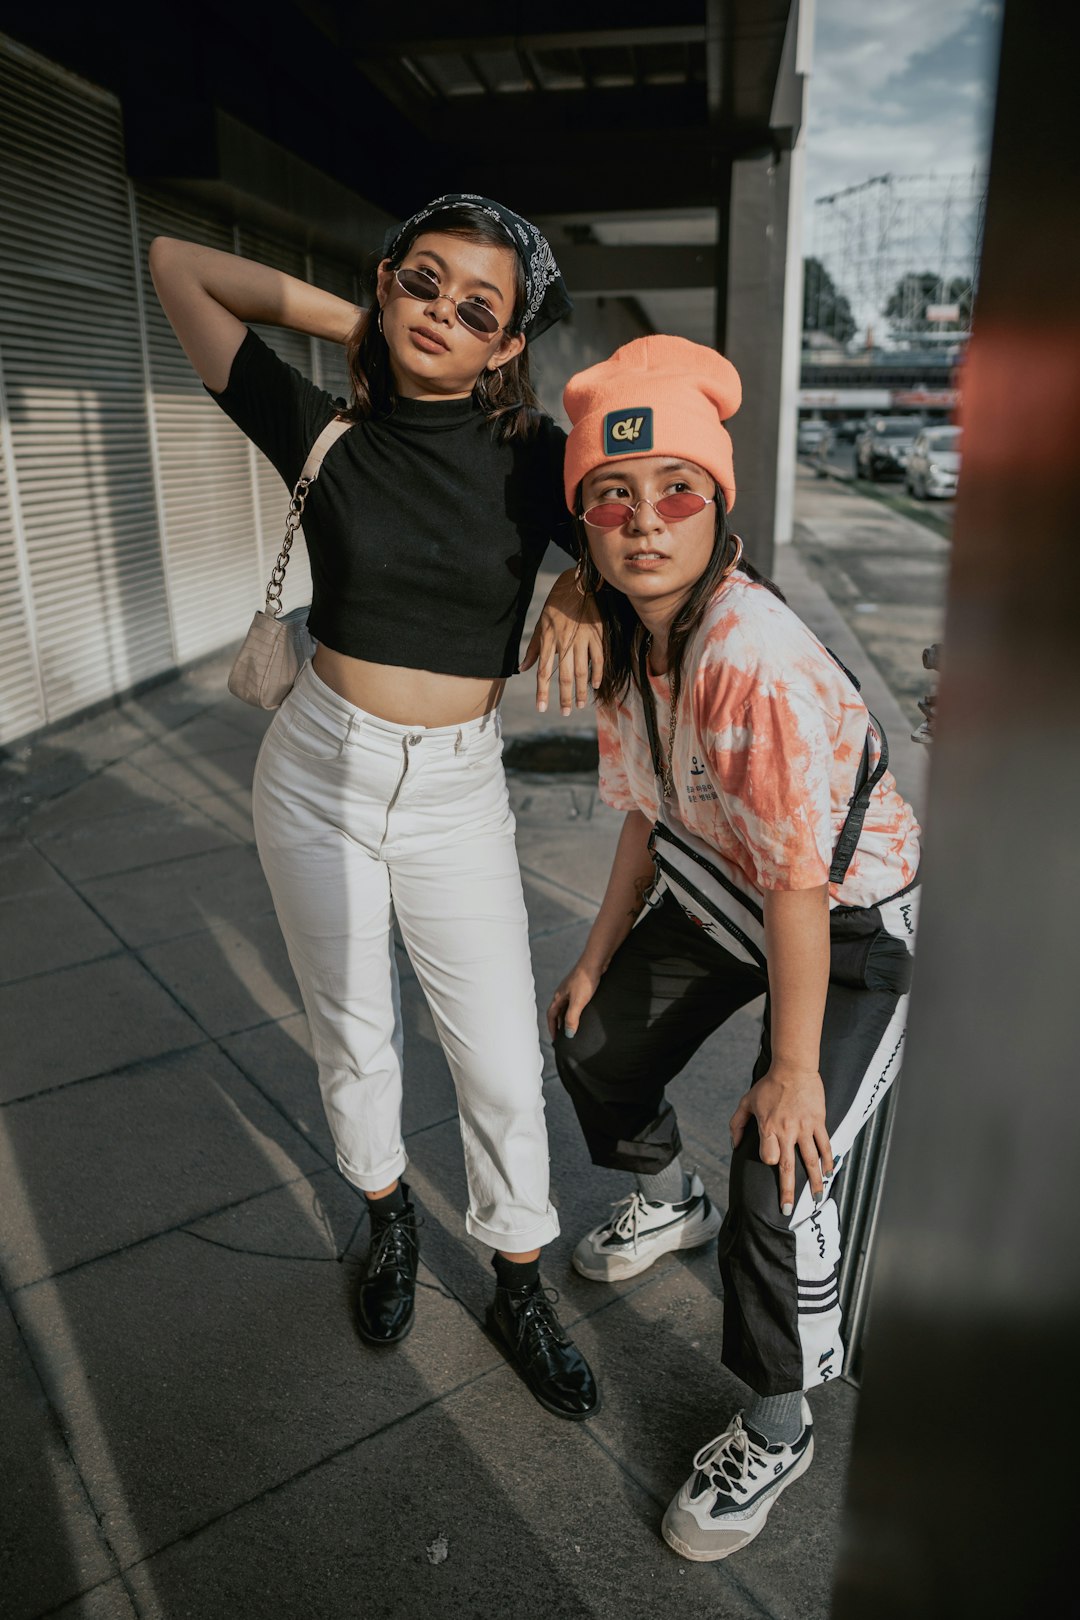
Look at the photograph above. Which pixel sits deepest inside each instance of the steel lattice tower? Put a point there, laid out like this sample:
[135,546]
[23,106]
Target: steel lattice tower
[871,236]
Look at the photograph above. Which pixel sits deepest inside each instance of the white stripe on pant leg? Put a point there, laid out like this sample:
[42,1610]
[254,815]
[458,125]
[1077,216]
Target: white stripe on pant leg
[817,1231]
[879,1075]
[817,1256]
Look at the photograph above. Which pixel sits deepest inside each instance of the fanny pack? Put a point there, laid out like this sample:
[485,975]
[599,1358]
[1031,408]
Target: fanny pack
[863,953]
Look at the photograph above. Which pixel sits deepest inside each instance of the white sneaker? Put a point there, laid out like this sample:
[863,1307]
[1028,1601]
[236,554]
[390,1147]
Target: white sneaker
[640,1230]
[737,1478]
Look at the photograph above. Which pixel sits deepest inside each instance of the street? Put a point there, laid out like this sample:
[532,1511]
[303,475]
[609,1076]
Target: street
[884,568]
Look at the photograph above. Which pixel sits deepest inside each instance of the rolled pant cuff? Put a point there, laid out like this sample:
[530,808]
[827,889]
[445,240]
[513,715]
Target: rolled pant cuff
[366,1181]
[534,1237]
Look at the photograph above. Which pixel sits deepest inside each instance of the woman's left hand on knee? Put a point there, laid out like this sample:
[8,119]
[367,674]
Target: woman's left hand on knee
[789,1107]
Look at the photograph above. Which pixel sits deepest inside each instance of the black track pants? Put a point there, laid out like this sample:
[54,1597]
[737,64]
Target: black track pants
[667,989]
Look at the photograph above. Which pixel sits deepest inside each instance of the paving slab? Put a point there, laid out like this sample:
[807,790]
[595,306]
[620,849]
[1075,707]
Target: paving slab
[453,1512]
[206,733]
[138,837]
[117,788]
[228,978]
[48,929]
[277,1057]
[577,858]
[553,904]
[108,1602]
[85,1020]
[667,1394]
[231,809]
[42,1491]
[243,717]
[170,1140]
[24,871]
[182,897]
[195,1372]
[194,775]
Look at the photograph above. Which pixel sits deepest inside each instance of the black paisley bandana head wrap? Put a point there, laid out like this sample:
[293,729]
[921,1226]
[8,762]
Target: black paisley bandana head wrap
[546,297]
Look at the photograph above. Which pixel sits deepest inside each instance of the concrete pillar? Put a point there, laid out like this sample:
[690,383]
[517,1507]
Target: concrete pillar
[963,1482]
[760,330]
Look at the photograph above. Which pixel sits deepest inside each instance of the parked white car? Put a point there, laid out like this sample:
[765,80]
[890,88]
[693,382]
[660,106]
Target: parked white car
[810,434]
[934,464]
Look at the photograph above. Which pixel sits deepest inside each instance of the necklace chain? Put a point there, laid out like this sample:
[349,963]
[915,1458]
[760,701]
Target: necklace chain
[667,778]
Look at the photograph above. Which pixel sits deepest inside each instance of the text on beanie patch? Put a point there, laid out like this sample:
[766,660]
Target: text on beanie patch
[628,432]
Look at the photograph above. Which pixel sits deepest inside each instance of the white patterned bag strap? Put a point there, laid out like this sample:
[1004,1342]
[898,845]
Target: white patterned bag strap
[311,469]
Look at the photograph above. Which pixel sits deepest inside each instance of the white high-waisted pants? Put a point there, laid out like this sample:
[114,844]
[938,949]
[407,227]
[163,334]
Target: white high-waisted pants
[353,816]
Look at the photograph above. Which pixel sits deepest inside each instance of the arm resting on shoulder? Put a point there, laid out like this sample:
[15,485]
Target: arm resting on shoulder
[568,629]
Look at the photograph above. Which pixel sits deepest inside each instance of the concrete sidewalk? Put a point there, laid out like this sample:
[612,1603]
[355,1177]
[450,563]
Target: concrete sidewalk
[192,1427]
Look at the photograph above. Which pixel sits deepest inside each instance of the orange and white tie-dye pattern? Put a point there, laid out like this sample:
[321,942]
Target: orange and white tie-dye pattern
[768,742]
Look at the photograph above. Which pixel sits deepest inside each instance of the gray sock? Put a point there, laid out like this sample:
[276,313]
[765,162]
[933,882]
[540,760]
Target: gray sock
[668,1186]
[777,1417]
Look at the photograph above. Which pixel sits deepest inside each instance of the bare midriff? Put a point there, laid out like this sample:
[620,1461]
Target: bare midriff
[406,697]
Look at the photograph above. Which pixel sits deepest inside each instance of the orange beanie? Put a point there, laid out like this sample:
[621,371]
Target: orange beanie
[657,396]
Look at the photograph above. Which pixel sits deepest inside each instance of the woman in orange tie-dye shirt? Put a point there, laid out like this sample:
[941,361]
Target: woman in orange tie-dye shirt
[776,854]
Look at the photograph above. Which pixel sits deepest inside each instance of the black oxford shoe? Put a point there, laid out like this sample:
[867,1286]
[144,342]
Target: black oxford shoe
[524,1321]
[386,1293]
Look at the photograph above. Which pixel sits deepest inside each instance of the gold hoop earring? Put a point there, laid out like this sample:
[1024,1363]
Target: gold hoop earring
[489,386]
[729,568]
[583,584]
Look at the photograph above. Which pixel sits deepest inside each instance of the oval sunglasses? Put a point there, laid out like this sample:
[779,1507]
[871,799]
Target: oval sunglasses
[474,316]
[673,508]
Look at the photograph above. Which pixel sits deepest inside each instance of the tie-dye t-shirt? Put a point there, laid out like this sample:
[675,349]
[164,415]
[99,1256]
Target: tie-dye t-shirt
[769,737]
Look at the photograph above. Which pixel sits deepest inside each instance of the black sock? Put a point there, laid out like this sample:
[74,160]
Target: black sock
[515,1273]
[391,1203]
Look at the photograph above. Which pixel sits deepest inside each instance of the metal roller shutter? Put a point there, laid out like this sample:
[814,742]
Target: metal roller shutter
[73,374]
[22,704]
[272,496]
[331,371]
[214,568]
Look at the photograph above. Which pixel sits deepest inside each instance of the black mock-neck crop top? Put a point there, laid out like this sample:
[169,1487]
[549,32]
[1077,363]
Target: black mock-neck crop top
[424,533]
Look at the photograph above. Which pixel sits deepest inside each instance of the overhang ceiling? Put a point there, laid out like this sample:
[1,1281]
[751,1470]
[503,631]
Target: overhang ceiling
[565,108]
[614,125]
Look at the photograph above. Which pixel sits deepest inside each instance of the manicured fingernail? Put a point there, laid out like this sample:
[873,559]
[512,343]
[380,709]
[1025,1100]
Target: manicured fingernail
[818,1199]
[541,708]
[566,710]
[568,1032]
[787,1209]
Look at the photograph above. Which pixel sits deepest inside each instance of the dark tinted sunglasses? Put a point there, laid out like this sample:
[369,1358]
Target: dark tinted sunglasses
[473,315]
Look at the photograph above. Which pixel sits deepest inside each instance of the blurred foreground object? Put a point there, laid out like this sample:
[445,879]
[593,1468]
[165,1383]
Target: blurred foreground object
[975,1308]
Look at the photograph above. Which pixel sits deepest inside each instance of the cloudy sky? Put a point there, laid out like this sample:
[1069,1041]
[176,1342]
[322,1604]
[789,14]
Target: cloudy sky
[900,86]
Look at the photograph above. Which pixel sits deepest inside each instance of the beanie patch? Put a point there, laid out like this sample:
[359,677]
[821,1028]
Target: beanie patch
[628,432]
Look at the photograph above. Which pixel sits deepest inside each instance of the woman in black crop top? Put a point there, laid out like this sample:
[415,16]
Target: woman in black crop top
[379,789]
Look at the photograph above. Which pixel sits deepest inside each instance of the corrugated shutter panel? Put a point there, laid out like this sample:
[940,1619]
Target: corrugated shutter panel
[21,708]
[331,371]
[271,493]
[73,371]
[215,572]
